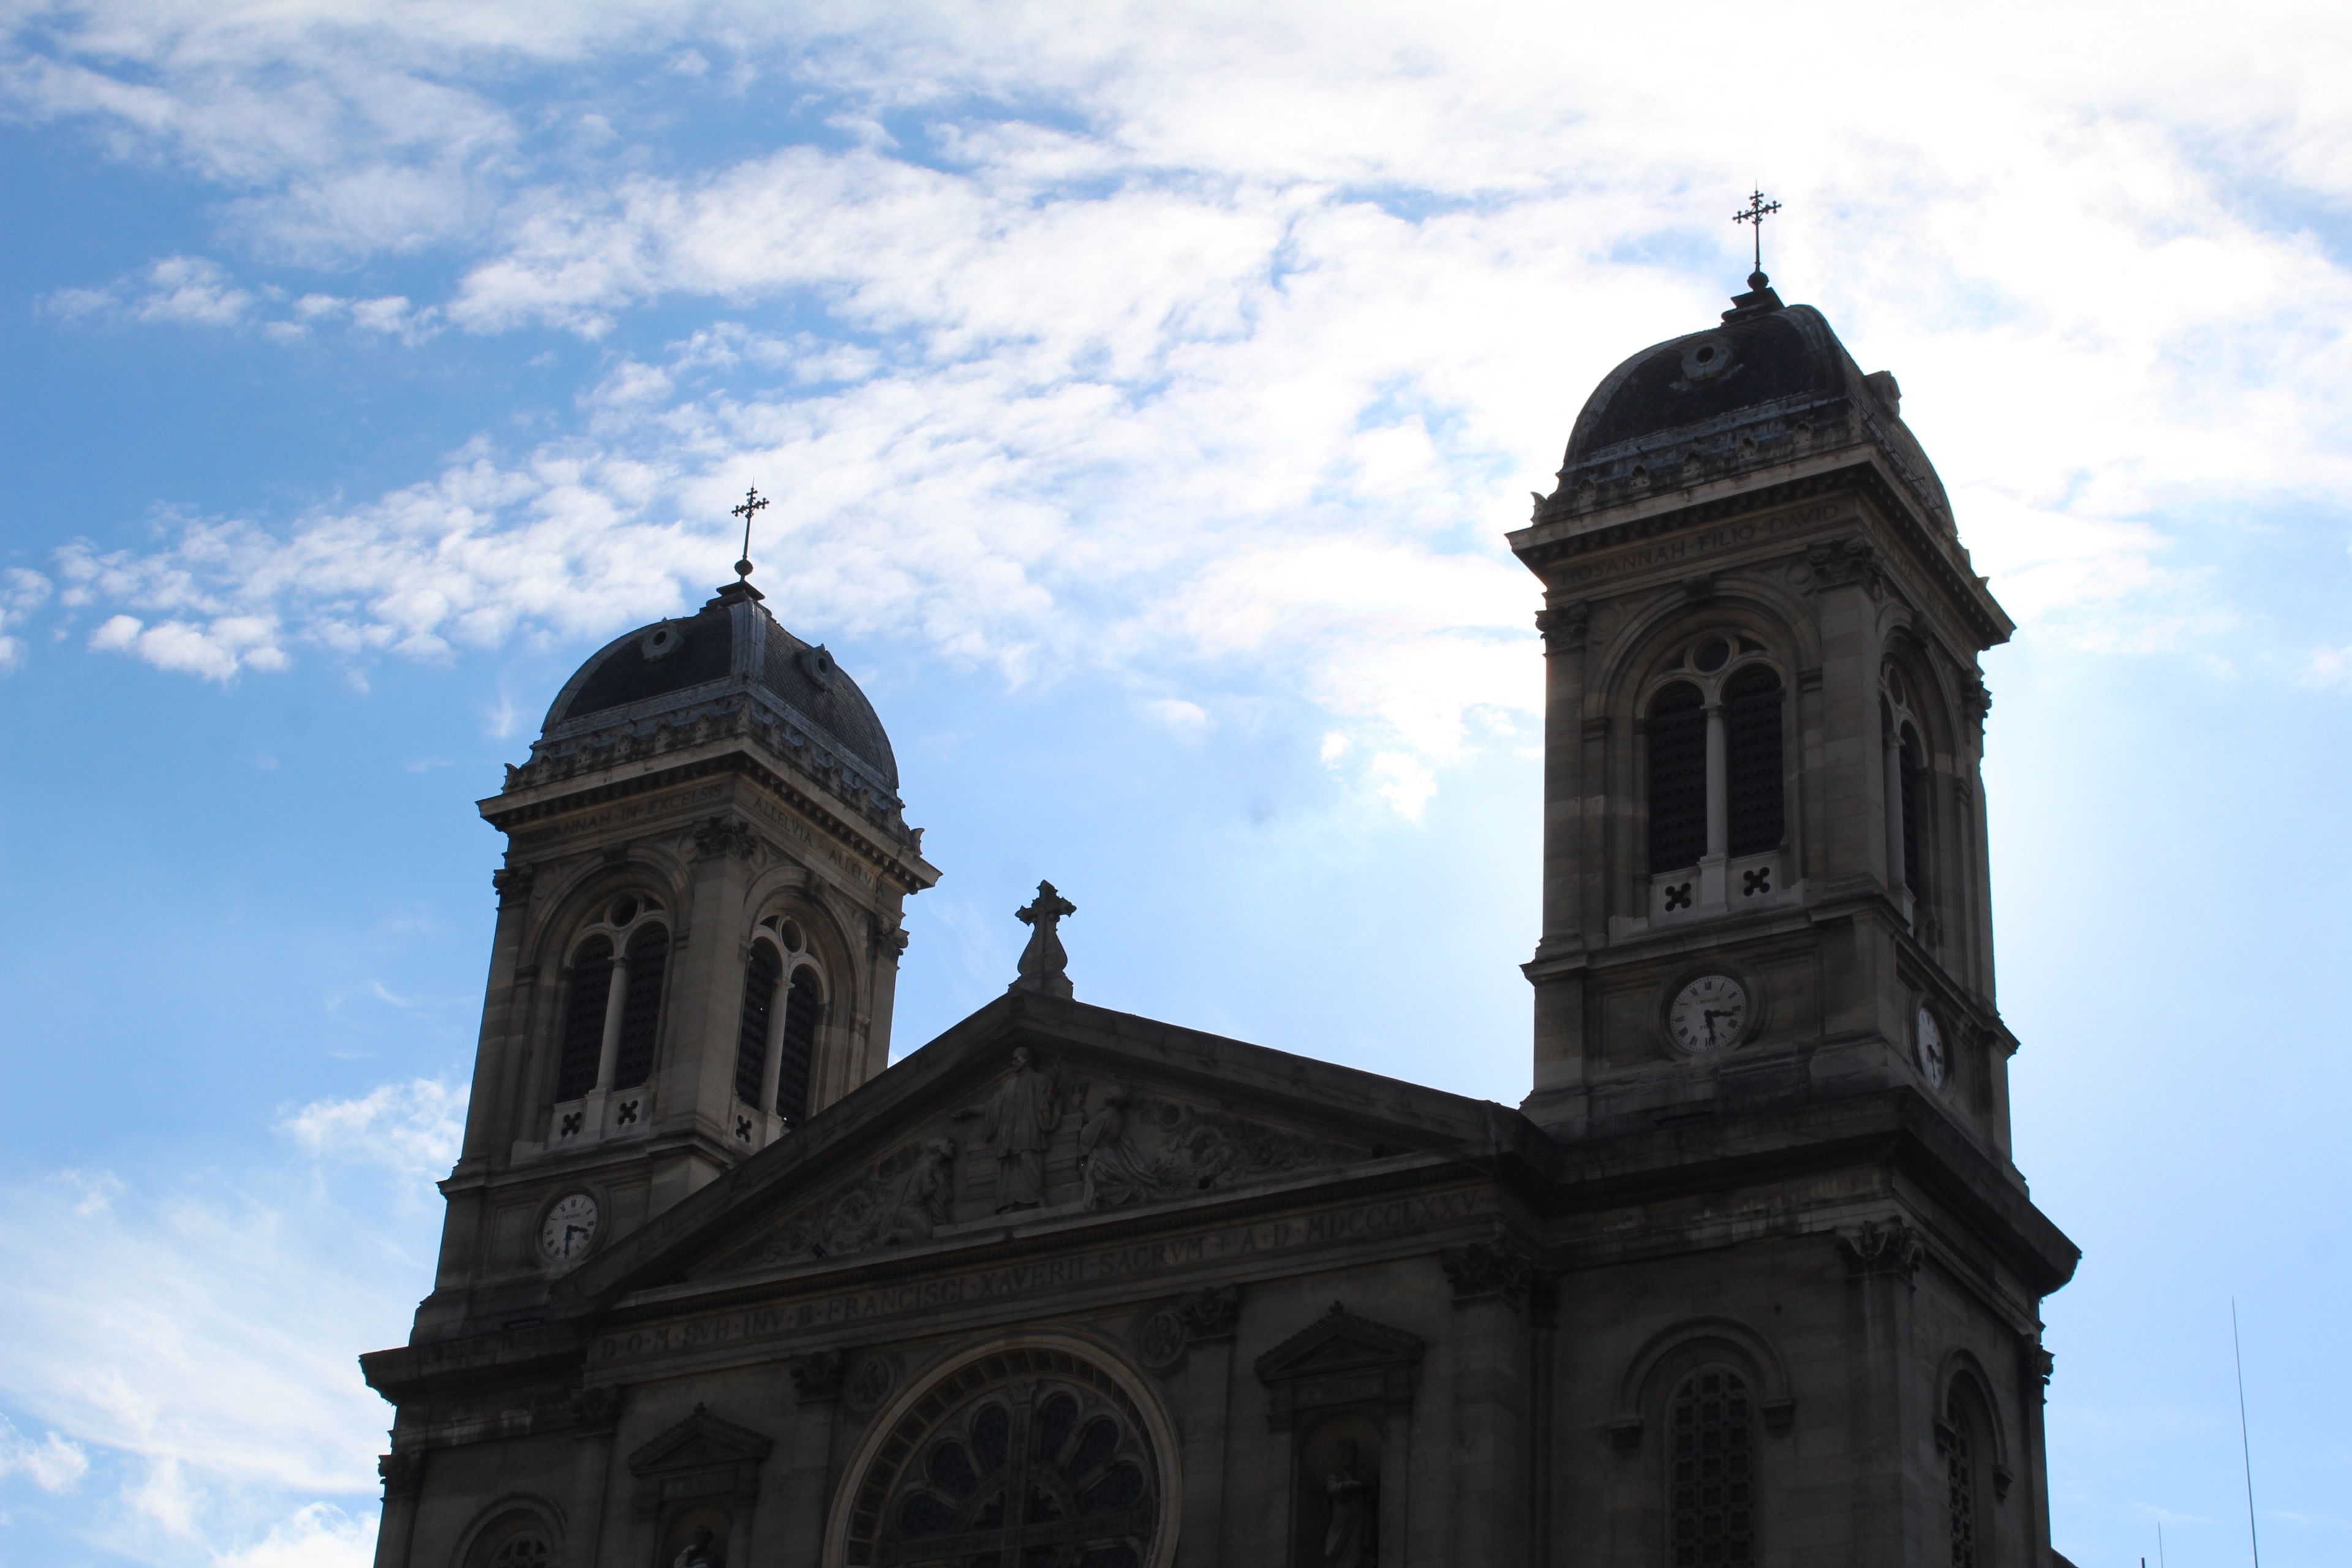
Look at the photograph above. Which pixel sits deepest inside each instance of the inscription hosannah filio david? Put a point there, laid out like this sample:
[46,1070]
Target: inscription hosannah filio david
[1015,1281]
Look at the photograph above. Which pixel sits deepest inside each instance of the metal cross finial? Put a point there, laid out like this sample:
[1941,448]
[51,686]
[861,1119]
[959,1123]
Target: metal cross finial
[1759,209]
[752,502]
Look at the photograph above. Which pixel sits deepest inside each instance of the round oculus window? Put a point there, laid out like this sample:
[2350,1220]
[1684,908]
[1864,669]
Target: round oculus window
[661,641]
[1706,358]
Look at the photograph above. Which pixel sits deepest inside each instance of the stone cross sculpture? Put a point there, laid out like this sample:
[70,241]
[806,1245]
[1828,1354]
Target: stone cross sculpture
[1044,960]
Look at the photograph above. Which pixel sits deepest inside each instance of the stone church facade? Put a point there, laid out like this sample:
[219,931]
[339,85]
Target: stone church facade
[1749,1277]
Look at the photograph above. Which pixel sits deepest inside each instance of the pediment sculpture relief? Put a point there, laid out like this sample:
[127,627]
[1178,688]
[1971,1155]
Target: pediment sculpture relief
[1034,1143]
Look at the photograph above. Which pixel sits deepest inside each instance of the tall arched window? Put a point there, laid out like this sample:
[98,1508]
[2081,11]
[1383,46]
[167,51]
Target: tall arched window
[1914,788]
[641,1010]
[1751,729]
[583,1018]
[801,1006]
[1711,1471]
[613,1015]
[1677,778]
[761,975]
[1963,1439]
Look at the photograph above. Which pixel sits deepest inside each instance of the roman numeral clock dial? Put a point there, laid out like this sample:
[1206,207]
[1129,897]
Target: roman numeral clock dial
[568,1230]
[1709,1014]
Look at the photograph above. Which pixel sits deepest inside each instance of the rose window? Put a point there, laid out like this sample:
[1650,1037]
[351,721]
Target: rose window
[1027,1458]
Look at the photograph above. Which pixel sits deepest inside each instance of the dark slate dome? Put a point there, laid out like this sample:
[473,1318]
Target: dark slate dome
[731,650]
[1770,382]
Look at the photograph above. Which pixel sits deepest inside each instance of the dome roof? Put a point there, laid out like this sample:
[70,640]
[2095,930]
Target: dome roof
[731,652]
[1770,381]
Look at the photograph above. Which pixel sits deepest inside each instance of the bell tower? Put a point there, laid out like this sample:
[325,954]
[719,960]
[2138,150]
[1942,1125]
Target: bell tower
[1764,865]
[697,946]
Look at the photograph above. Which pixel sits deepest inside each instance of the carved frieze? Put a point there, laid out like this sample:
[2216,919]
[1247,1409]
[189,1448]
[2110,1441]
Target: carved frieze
[1564,628]
[597,1408]
[818,1376]
[722,835]
[1033,1143]
[403,1472]
[1842,564]
[1490,1270]
[1890,1246]
[512,884]
[1169,1329]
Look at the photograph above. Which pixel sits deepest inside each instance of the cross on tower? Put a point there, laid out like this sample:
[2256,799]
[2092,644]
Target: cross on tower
[752,502]
[1759,209]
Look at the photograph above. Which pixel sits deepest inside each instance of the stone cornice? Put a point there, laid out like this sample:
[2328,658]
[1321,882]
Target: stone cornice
[1556,541]
[521,807]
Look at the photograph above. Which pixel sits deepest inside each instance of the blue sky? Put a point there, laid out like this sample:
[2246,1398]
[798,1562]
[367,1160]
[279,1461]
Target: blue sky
[1144,391]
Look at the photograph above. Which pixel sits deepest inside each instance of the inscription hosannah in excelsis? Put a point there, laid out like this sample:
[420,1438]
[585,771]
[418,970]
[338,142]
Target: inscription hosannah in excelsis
[1416,1217]
[1706,542]
[1129,1147]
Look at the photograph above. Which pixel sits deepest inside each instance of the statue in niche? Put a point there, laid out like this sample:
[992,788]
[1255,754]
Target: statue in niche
[1043,961]
[1018,1122]
[925,1198]
[698,1551]
[1352,1493]
[1114,1168]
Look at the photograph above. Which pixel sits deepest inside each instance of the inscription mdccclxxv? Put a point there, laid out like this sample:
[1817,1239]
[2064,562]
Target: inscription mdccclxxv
[1706,542]
[1018,1280]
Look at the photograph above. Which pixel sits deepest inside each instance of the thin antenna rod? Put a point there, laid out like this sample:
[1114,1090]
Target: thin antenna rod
[2245,1444]
[2159,1543]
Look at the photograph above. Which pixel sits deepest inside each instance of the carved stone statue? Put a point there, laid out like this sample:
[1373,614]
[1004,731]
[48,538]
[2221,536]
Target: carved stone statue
[1018,1122]
[1044,960]
[925,1197]
[698,1552]
[1352,1491]
[1115,1169]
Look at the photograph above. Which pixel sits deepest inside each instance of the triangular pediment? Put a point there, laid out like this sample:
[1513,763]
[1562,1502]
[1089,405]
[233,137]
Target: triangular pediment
[701,1442]
[1035,1108]
[1338,1341]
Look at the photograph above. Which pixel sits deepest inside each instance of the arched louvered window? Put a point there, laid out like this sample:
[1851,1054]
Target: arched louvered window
[1751,726]
[1955,1445]
[798,1046]
[761,977]
[641,1010]
[1711,1481]
[1677,734]
[583,1018]
[1914,800]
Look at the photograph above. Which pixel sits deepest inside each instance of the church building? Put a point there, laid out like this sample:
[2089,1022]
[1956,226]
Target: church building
[1747,1279]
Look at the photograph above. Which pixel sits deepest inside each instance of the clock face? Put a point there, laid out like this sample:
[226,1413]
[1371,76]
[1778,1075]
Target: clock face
[1708,1014]
[570,1229]
[1933,1061]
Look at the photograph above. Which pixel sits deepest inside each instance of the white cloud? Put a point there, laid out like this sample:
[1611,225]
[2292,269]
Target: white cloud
[53,1464]
[21,593]
[318,1535]
[193,1345]
[412,1128]
[1232,370]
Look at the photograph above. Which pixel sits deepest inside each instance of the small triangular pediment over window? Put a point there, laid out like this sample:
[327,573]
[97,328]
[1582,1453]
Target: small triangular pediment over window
[1340,1360]
[1339,1341]
[701,1442]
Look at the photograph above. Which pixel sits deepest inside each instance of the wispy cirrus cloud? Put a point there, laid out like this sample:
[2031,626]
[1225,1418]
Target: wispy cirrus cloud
[1193,353]
[187,1348]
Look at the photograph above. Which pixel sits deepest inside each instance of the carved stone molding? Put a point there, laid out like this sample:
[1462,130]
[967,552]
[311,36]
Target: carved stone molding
[403,1472]
[512,884]
[1891,1247]
[722,835]
[596,1409]
[890,939]
[1165,1332]
[1486,1269]
[2045,1365]
[1976,696]
[1844,563]
[1564,628]
[1213,1313]
[818,1376]
[870,1379]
